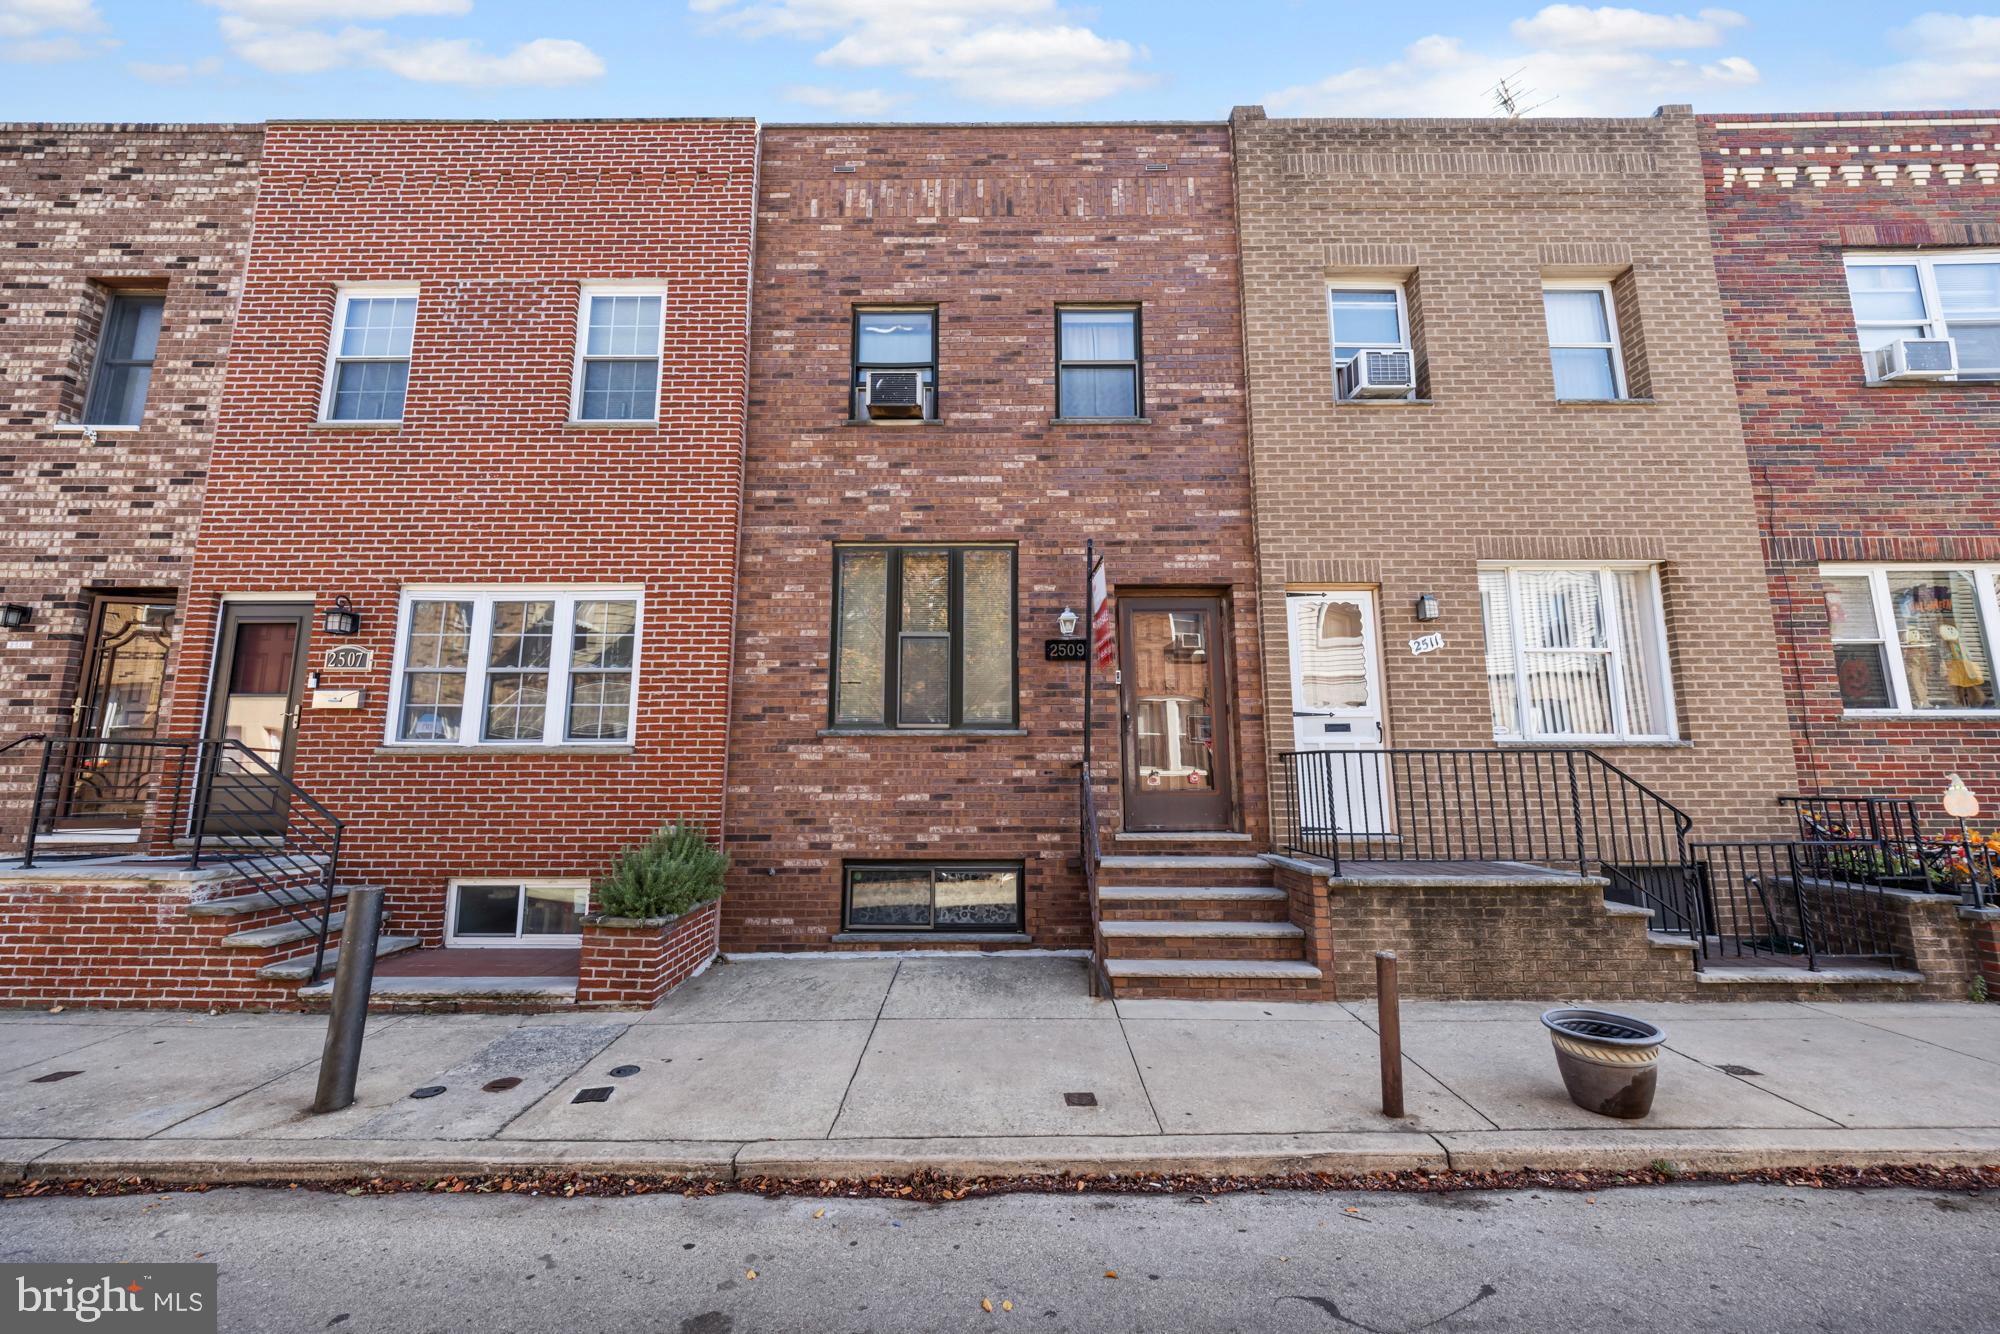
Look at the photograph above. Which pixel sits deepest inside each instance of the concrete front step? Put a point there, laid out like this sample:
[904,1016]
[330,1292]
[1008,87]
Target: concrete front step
[1213,979]
[300,968]
[283,933]
[1214,942]
[1209,903]
[264,900]
[1166,870]
[482,992]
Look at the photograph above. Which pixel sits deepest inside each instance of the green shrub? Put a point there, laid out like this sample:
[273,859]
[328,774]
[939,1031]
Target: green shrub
[670,873]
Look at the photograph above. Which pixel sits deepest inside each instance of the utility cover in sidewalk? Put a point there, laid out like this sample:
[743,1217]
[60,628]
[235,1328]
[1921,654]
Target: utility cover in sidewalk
[621,1071]
[602,1093]
[427,1091]
[502,1084]
[53,1076]
[1080,1099]
[1738,1070]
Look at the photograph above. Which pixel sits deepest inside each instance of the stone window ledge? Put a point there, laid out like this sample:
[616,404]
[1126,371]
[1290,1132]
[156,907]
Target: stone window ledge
[471,752]
[923,731]
[1607,402]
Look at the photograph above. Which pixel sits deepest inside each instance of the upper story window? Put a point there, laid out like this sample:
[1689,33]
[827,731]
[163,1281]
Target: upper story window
[1576,653]
[124,369]
[1097,355]
[1913,640]
[895,363]
[923,637]
[1949,294]
[368,366]
[515,666]
[1371,317]
[618,355]
[1583,341]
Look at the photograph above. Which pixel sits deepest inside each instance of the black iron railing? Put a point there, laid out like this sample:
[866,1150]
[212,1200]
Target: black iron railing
[1552,807]
[1091,849]
[1799,901]
[1893,849]
[191,802]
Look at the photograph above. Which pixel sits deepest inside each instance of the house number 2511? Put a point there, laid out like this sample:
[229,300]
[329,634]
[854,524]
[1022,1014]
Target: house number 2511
[1429,643]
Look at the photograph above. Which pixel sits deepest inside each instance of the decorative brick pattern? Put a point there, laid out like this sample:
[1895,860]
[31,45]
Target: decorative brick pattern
[88,210]
[639,963]
[996,225]
[1845,471]
[485,482]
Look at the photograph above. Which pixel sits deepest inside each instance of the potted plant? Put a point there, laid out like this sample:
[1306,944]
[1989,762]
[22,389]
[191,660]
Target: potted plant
[657,920]
[670,874]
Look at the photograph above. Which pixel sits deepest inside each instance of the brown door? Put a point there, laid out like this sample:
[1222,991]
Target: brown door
[260,673]
[1175,693]
[105,776]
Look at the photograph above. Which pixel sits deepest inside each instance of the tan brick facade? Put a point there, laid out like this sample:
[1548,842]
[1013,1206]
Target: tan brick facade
[1409,498]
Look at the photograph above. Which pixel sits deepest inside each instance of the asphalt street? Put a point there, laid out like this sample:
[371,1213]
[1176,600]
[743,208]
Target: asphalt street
[1678,1258]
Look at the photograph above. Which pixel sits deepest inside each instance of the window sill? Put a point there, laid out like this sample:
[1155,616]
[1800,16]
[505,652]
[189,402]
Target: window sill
[1607,402]
[1383,402]
[1979,382]
[894,423]
[917,938]
[1593,743]
[1920,715]
[356,426]
[922,731]
[622,425]
[88,428]
[610,750]
[1100,421]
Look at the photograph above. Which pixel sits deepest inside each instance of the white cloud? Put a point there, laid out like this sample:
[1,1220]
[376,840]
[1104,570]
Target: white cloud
[173,72]
[1590,62]
[865,103]
[1019,52]
[1954,60]
[38,32]
[42,51]
[277,36]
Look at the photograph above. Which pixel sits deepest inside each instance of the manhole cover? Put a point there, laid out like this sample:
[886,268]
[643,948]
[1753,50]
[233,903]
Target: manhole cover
[602,1093]
[427,1091]
[53,1076]
[502,1084]
[1080,1099]
[1738,1070]
[621,1071]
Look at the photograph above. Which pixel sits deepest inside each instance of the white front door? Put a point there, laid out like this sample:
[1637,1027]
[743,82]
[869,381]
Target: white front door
[1337,708]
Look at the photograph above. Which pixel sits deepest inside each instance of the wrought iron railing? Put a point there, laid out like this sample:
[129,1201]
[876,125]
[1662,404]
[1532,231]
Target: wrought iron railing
[1797,900]
[1897,853]
[1553,807]
[1090,849]
[202,803]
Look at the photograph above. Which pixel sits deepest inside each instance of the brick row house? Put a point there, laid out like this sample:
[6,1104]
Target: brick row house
[1441,478]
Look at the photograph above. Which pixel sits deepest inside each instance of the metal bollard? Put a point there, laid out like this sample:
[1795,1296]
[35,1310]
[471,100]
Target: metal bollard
[1389,1024]
[353,979]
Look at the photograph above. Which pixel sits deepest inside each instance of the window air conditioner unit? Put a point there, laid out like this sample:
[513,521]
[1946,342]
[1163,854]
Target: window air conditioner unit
[1913,359]
[896,394]
[1189,641]
[1379,373]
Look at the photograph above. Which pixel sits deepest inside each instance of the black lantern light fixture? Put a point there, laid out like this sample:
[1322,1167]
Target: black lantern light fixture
[1427,607]
[15,615]
[342,619]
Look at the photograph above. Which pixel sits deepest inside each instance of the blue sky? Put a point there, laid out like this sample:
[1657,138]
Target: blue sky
[969,59]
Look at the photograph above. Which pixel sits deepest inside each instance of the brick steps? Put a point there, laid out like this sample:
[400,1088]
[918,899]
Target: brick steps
[1200,926]
[1215,903]
[1172,871]
[1213,941]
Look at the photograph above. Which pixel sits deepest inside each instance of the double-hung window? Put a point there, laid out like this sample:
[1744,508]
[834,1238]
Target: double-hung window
[368,366]
[1583,341]
[1944,294]
[923,637]
[516,666]
[619,333]
[1097,354]
[125,352]
[895,338]
[1910,639]
[1576,653]
[1364,317]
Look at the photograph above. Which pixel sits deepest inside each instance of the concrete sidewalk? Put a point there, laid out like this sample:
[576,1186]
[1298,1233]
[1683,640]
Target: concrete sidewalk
[975,1066]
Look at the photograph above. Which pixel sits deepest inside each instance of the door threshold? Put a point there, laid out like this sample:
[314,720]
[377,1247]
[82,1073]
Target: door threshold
[1179,836]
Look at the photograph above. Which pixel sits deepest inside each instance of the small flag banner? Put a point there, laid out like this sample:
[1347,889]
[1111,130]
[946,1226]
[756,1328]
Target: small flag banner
[1102,631]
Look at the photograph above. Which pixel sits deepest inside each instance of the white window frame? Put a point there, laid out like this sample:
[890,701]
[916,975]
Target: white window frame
[1615,347]
[522,884]
[555,719]
[585,294]
[1614,649]
[1934,323]
[1335,341]
[1986,587]
[344,294]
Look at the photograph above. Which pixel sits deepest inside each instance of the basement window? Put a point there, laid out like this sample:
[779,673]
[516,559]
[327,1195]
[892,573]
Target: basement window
[516,912]
[933,896]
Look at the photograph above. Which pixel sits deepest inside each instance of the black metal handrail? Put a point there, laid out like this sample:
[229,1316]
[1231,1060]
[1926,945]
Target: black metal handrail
[1550,806]
[1090,849]
[1899,853]
[1801,899]
[217,803]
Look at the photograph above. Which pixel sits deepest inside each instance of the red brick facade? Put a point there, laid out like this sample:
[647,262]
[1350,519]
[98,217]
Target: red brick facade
[1844,470]
[486,482]
[995,226]
[88,212]
[637,963]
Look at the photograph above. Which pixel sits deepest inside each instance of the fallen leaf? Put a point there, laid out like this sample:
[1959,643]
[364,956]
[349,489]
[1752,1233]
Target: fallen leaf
[1006,1306]
[1352,1210]
[749,1273]
[1111,1273]
[986,1305]
[56,1009]
[820,1214]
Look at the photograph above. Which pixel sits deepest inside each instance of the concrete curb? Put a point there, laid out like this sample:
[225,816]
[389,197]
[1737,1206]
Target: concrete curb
[223,1162]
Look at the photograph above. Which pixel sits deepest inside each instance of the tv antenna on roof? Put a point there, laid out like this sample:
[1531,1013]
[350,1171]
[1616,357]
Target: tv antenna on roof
[1513,97]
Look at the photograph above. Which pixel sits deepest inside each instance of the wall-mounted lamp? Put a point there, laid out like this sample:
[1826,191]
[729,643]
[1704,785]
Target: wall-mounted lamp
[342,619]
[1066,622]
[1427,607]
[14,615]
[1959,801]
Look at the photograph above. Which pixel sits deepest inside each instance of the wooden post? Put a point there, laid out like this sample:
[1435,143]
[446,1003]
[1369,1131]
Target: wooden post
[1389,1024]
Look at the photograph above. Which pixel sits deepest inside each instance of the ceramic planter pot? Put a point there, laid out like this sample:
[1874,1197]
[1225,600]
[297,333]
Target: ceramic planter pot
[1609,1062]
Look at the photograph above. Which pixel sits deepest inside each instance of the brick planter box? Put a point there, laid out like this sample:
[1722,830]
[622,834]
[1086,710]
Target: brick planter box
[638,960]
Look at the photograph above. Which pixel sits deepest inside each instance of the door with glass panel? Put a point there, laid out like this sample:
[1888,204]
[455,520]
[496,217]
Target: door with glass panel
[105,778]
[1174,667]
[1337,713]
[260,673]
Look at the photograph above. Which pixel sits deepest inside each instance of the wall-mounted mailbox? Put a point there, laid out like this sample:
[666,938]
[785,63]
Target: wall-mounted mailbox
[350,697]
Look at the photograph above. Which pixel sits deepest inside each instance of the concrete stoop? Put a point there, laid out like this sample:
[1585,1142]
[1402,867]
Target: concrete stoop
[1201,926]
